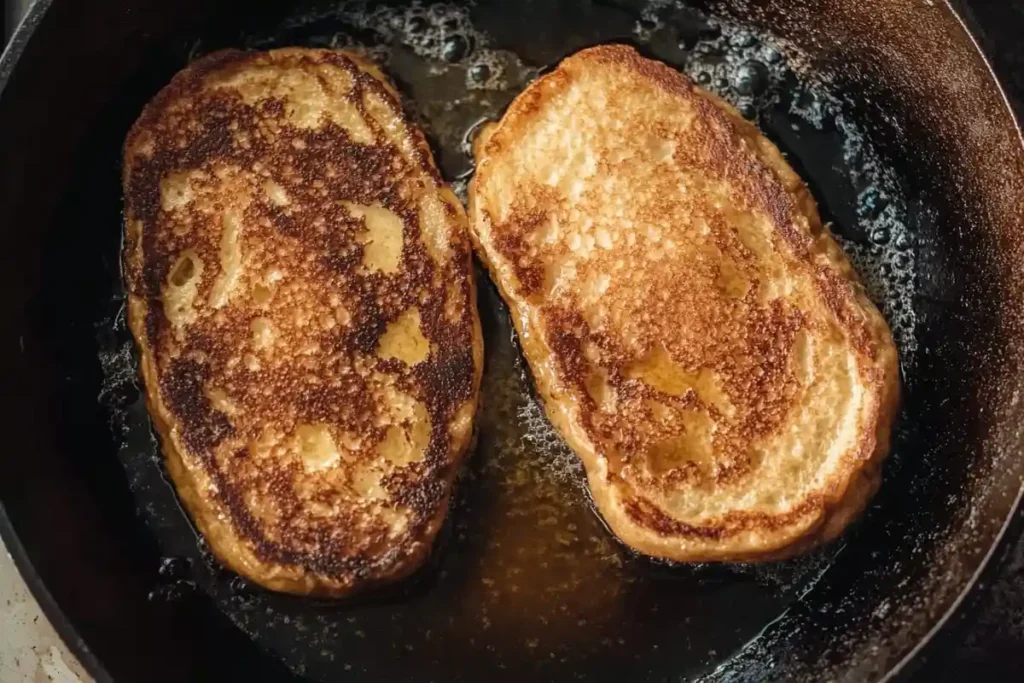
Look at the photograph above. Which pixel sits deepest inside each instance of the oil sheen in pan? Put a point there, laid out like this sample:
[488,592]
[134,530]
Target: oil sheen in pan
[526,583]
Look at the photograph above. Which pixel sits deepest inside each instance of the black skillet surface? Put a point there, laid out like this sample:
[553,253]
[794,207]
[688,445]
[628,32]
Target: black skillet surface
[917,169]
[985,639]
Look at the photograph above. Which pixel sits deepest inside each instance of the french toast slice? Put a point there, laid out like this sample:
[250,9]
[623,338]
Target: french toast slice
[300,288]
[696,335]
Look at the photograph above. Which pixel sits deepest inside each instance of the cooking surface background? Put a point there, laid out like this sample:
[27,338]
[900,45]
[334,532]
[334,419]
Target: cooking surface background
[986,640]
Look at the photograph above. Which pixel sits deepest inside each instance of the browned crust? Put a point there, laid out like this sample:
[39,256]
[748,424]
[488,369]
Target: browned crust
[769,183]
[317,556]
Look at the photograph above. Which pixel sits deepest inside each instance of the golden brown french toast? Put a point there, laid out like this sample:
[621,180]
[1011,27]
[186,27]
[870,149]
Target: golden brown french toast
[300,286]
[695,333]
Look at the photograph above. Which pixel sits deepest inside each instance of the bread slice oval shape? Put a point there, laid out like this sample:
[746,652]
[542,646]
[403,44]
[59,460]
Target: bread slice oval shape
[300,288]
[696,335]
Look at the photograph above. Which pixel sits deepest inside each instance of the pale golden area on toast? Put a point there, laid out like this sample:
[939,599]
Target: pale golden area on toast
[300,287]
[696,335]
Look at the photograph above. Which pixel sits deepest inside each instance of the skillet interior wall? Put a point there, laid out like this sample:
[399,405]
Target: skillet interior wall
[90,68]
[911,74]
[64,114]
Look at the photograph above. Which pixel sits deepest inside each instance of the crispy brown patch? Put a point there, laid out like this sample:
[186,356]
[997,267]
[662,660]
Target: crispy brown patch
[318,311]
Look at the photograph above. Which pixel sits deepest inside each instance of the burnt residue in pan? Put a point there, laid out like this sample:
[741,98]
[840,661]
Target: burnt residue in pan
[526,583]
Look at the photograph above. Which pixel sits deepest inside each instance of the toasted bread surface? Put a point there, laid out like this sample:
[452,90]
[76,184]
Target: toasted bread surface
[696,335]
[300,287]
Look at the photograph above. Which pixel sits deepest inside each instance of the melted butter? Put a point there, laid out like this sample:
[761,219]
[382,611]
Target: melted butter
[365,482]
[316,447]
[694,445]
[731,280]
[434,225]
[181,289]
[230,260]
[310,98]
[658,371]
[396,133]
[262,333]
[381,238]
[403,339]
[406,444]
[275,193]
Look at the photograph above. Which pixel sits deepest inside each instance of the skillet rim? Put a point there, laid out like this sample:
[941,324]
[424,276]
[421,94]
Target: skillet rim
[9,59]
[12,543]
[1000,540]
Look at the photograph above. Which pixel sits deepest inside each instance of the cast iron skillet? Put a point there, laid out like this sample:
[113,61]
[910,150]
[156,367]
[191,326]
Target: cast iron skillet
[885,106]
